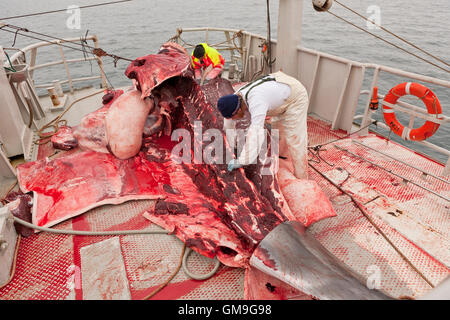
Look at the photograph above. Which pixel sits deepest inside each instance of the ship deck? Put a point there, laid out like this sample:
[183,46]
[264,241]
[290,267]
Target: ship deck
[410,207]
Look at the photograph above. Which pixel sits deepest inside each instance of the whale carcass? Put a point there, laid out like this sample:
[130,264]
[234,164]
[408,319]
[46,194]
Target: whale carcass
[215,212]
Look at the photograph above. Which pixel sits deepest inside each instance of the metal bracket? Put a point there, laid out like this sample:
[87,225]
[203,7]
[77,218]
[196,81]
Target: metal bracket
[8,240]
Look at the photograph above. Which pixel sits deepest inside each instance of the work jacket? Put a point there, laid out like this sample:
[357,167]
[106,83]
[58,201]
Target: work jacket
[212,57]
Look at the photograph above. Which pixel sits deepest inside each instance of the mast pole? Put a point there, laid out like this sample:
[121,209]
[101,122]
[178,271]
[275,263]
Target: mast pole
[289,34]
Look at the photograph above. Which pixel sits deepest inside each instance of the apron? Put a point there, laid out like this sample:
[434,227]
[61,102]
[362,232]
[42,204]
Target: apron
[290,119]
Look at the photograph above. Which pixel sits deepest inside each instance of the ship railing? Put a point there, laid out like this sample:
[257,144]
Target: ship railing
[320,70]
[29,55]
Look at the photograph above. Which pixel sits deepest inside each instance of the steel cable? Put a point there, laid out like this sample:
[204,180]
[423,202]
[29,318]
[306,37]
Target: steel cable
[97,51]
[389,42]
[392,33]
[63,10]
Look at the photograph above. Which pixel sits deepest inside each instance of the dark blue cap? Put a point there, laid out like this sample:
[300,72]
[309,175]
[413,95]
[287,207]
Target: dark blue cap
[228,105]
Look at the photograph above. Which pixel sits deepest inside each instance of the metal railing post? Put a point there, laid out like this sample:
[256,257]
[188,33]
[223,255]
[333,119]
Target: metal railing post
[100,64]
[66,66]
[313,80]
[368,112]
[446,171]
[227,36]
[341,98]
[33,56]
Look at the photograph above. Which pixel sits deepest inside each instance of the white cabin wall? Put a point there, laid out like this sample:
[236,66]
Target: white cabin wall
[333,83]
[289,35]
[333,86]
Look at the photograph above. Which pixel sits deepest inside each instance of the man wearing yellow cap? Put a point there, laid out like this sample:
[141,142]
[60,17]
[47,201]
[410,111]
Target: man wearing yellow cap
[207,59]
[285,100]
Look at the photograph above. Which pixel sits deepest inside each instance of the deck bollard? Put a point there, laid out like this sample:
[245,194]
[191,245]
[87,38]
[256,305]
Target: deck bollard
[53,96]
[58,88]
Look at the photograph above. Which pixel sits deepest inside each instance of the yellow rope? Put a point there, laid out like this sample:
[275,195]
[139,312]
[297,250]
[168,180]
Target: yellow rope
[57,122]
[162,286]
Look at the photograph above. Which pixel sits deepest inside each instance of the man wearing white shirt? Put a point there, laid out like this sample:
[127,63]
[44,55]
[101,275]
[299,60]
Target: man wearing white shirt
[285,100]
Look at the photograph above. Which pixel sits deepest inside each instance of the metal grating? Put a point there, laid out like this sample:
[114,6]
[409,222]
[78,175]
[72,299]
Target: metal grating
[228,284]
[355,241]
[42,269]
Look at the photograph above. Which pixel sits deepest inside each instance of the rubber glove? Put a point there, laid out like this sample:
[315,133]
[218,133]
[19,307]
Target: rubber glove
[198,74]
[214,73]
[233,164]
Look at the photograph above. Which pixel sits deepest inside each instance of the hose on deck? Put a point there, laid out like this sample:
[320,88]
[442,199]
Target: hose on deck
[44,137]
[183,258]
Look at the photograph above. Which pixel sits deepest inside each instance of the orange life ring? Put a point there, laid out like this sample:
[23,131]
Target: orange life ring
[427,96]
